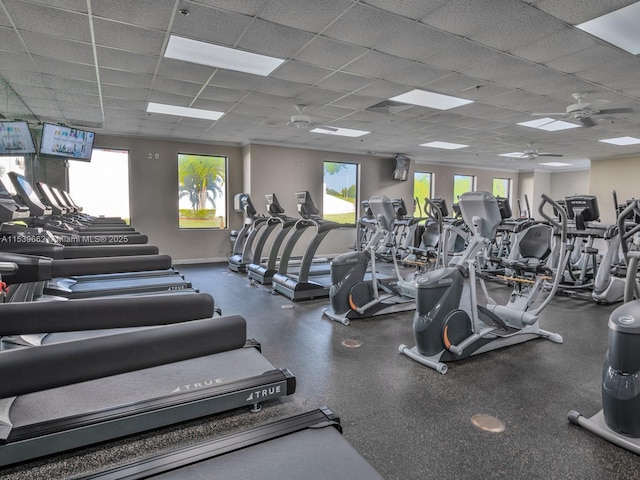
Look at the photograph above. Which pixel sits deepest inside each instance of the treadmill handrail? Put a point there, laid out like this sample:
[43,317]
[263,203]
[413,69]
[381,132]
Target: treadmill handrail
[26,318]
[35,369]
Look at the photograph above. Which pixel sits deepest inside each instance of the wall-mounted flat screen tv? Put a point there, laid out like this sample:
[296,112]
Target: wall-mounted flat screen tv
[71,143]
[15,138]
[401,168]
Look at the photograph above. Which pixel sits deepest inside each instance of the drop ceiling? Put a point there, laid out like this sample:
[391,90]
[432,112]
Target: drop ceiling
[96,64]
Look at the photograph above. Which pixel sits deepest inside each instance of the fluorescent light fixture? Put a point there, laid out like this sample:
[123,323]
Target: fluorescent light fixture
[220,57]
[620,28]
[549,124]
[512,154]
[621,140]
[445,145]
[342,132]
[183,111]
[430,99]
[555,164]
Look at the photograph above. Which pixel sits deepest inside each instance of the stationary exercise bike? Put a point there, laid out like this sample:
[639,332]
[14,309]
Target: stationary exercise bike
[619,420]
[444,330]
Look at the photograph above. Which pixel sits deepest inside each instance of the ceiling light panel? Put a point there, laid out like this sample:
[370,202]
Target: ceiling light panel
[183,111]
[512,154]
[342,132]
[549,124]
[217,56]
[620,28]
[621,140]
[444,145]
[430,100]
[555,164]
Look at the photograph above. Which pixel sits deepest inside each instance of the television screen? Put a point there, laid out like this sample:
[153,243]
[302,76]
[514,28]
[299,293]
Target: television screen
[15,138]
[401,170]
[66,142]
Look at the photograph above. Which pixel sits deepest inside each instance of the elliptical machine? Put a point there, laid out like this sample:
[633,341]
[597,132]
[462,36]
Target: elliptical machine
[443,330]
[619,420]
[357,289]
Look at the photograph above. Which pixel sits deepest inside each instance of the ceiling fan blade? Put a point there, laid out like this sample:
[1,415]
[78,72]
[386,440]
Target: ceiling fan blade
[613,111]
[550,155]
[587,121]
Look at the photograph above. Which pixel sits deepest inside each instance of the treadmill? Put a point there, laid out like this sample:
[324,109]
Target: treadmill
[58,275]
[308,446]
[71,394]
[17,238]
[253,224]
[308,281]
[68,235]
[263,272]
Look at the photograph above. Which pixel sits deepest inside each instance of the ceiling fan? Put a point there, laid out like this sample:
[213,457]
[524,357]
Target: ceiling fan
[301,121]
[531,153]
[583,111]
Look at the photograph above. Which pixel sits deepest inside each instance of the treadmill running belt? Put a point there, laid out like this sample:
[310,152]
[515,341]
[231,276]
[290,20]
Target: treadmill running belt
[307,446]
[95,396]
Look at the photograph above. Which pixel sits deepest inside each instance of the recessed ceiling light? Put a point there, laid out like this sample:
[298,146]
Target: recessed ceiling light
[430,99]
[512,154]
[183,111]
[549,124]
[619,28]
[445,145]
[555,164]
[220,57]
[621,140]
[342,132]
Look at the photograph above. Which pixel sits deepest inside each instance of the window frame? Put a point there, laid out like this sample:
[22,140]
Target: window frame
[356,185]
[474,184]
[216,223]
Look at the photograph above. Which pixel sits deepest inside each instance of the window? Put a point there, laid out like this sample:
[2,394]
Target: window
[110,195]
[463,184]
[340,192]
[502,187]
[202,191]
[422,188]
[10,164]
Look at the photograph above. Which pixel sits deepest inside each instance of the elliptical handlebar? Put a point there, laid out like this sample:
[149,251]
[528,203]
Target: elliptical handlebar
[632,209]
[563,241]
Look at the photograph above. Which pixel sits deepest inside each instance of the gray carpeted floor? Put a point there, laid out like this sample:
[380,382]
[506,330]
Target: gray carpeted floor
[407,420]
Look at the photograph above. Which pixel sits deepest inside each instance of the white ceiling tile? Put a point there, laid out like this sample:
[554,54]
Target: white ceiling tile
[181,70]
[301,72]
[415,9]
[309,15]
[414,40]
[519,29]
[51,21]
[345,82]
[319,96]
[60,68]
[178,87]
[132,62]
[377,65]
[554,46]
[416,75]
[222,94]
[145,13]
[364,26]
[272,39]
[10,41]
[458,55]
[59,48]
[465,17]
[276,86]
[211,25]
[325,52]
[591,57]
[125,79]
[128,38]
[245,7]
[235,80]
